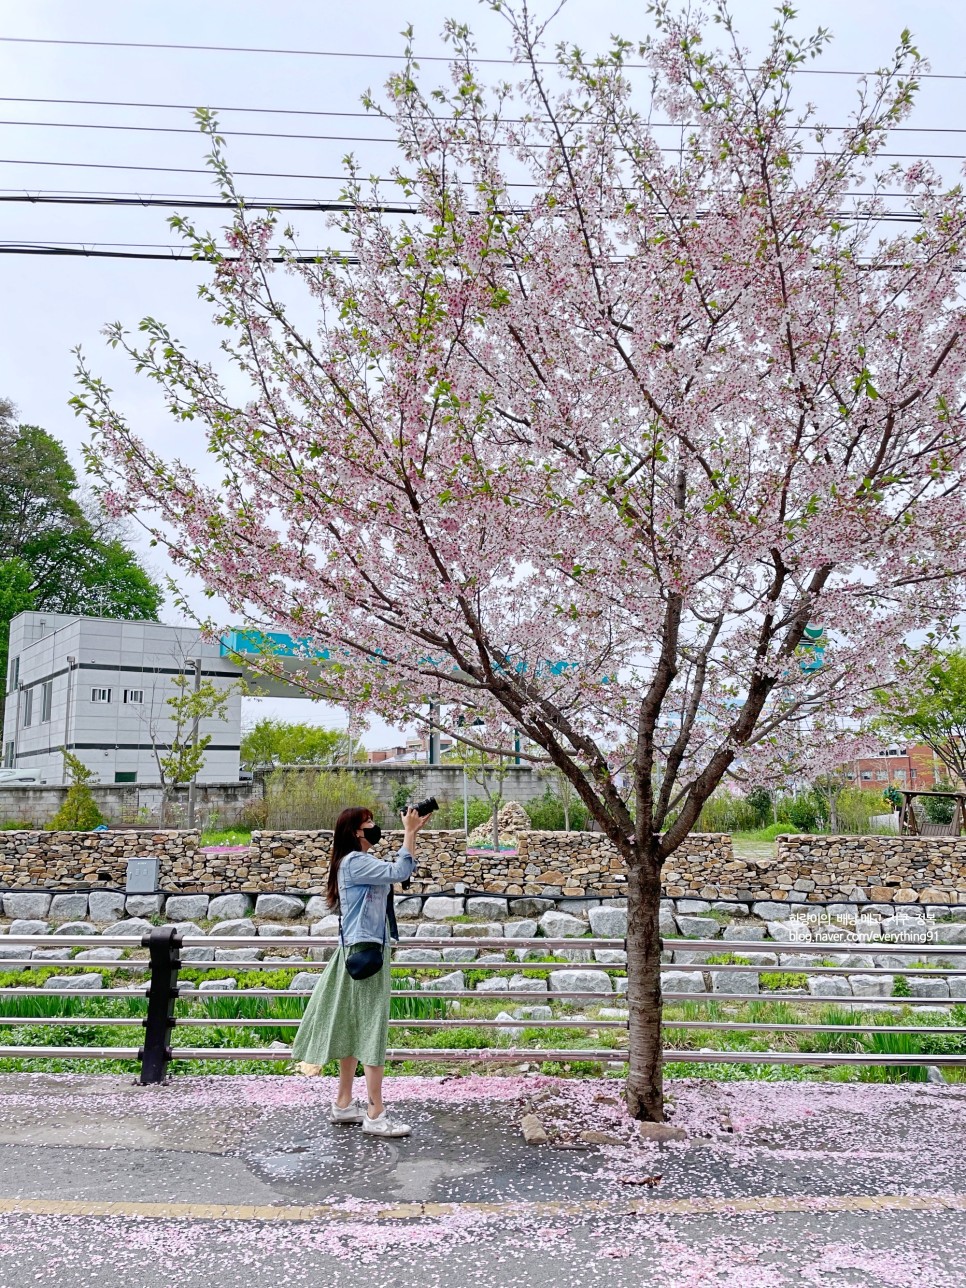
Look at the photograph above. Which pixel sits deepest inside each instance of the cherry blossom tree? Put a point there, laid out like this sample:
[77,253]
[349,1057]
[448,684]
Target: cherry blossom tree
[589,436]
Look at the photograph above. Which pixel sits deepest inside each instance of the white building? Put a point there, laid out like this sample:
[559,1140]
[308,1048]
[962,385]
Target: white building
[99,687]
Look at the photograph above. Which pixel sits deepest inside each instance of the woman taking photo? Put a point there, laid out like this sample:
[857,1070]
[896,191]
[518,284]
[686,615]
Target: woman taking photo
[347,1018]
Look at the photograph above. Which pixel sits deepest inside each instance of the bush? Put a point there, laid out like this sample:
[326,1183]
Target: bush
[308,799]
[803,813]
[79,812]
[450,814]
[936,808]
[725,812]
[759,799]
[546,813]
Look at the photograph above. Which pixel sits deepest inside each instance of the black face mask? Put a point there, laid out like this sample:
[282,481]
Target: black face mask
[373,834]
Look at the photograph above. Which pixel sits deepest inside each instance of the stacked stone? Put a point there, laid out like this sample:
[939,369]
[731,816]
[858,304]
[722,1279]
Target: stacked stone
[65,859]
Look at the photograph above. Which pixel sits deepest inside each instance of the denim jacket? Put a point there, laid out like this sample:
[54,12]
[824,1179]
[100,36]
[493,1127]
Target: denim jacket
[364,882]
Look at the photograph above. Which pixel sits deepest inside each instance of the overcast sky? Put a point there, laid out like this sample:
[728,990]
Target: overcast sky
[51,305]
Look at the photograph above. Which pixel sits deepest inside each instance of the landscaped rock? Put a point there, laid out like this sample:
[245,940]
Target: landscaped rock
[533,1130]
[486,908]
[692,907]
[240,929]
[744,931]
[74,928]
[459,954]
[327,928]
[26,926]
[143,905]
[957,986]
[28,905]
[12,952]
[532,1013]
[217,985]
[438,907]
[304,979]
[667,926]
[279,907]
[188,930]
[318,906]
[239,954]
[67,907]
[682,981]
[699,927]
[433,930]
[454,982]
[417,955]
[280,930]
[50,954]
[660,1133]
[477,930]
[530,907]
[610,956]
[186,907]
[100,955]
[229,907]
[508,1030]
[196,955]
[829,986]
[732,909]
[568,954]
[734,981]
[408,907]
[561,925]
[922,986]
[525,929]
[949,933]
[526,984]
[608,923]
[73,981]
[493,984]
[106,905]
[772,911]
[131,928]
[790,932]
[872,985]
[580,981]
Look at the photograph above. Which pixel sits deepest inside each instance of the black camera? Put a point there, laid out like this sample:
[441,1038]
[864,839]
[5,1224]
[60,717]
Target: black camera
[424,807]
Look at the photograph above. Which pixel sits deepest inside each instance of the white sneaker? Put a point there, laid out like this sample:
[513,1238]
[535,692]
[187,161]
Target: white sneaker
[384,1126]
[353,1113]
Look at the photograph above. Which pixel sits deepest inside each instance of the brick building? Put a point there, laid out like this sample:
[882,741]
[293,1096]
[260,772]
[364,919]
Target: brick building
[898,766]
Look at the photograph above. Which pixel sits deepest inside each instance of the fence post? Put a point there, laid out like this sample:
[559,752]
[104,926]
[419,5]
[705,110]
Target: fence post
[163,944]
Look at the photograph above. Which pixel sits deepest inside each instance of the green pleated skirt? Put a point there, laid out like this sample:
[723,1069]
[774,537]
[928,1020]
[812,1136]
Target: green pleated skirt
[345,1016]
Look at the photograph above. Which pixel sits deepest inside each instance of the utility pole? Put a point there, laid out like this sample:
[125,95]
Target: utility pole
[193,785]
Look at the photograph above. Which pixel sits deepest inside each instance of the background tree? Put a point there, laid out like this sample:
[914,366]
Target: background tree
[79,812]
[590,439]
[932,711]
[562,788]
[57,553]
[178,746]
[277,742]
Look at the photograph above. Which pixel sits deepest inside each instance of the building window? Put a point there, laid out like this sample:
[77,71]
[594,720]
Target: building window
[8,756]
[881,775]
[900,775]
[125,776]
[134,697]
[28,707]
[100,695]
[46,701]
[867,775]
[13,678]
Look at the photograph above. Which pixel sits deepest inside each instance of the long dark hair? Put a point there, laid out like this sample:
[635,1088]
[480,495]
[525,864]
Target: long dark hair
[344,841]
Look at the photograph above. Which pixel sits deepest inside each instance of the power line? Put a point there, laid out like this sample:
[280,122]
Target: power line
[398,58]
[368,116]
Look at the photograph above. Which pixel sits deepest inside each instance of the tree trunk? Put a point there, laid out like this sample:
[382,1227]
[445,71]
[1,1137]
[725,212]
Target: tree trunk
[496,826]
[645,1078]
[566,809]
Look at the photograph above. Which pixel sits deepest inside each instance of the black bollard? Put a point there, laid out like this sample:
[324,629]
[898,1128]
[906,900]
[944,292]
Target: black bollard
[164,945]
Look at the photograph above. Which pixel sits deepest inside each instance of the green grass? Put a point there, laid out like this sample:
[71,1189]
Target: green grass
[233,836]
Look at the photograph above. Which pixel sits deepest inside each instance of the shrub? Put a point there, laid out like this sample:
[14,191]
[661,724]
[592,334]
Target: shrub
[79,812]
[308,799]
[777,979]
[803,813]
[546,813]
[725,812]
[937,808]
[759,799]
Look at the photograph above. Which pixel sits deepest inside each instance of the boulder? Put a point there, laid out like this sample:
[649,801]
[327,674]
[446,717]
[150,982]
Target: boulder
[525,929]
[561,925]
[459,954]
[682,981]
[75,928]
[829,986]
[580,981]
[790,932]
[67,907]
[732,909]
[283,907]
[13,952]
[143,905]
[609,923]
[486,908]
[411,906]
[240,929]
[477,930]
[239,954]
[768,911]
[532,1013]
[417,955]
[692,907]
[280,930]
[304,979]
[100,955]
[530,907]
[106,905]
[524,984]
[734,981]
[217,985]
[454,982]
[27,905]
[130,928]
[327,928]
[318,906]
[506,1029]
[493,984]
[73,981]
[568,954]
[872,985]
[50,954]
[610,956]
[957,986]
[229,907]
[950,933]
[438,907]
[186,907]
[26,926]
[433,930]
[745,931]
[699,927]
[196,955]
[922,986]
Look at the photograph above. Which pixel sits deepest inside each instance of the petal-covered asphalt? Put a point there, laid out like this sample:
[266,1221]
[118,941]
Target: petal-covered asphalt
[837,1185]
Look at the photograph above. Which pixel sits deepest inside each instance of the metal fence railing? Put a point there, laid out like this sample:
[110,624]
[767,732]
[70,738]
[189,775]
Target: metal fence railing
[165,988]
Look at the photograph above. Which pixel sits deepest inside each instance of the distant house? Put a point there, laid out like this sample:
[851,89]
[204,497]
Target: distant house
[898,766]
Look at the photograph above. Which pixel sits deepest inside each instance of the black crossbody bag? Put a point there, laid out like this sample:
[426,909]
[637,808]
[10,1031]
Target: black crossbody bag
[365,962]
